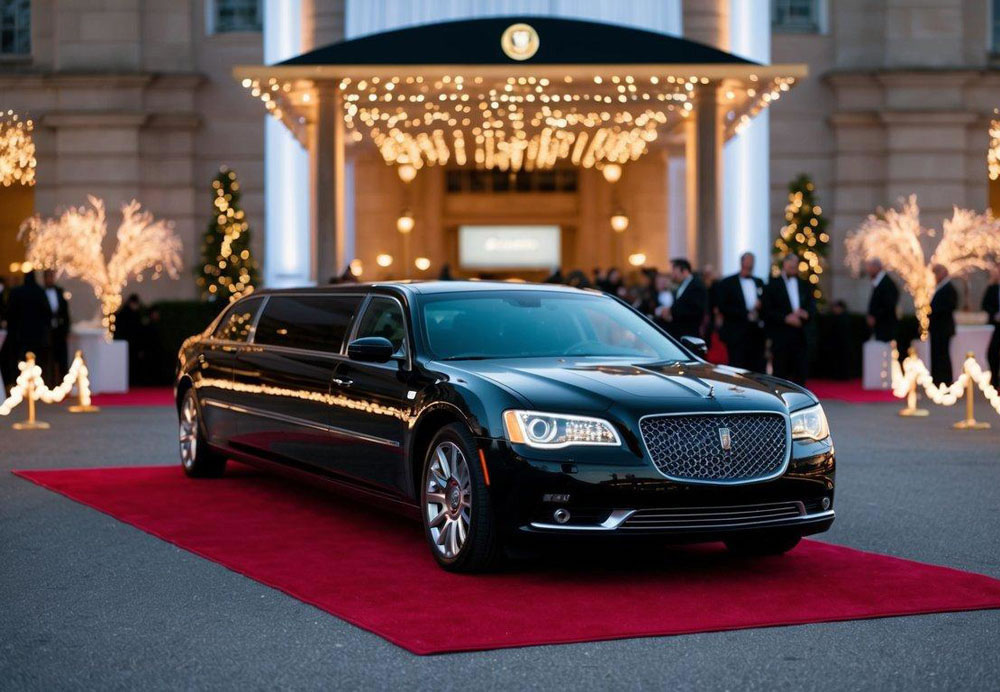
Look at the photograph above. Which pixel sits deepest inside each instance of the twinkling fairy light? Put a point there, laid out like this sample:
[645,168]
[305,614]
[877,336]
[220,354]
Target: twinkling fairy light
[72,245]
[515,123]
[993,153]
[17,150]
[970,241]
[804,233]
[228,268]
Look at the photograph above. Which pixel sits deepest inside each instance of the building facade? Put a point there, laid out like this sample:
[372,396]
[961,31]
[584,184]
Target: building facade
[135,99]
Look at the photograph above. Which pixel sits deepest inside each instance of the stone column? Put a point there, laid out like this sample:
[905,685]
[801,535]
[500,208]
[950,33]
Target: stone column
[326,160]
[704,179]
[707,21]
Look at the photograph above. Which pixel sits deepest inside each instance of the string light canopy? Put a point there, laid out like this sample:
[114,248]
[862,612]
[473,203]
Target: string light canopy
[993,154]
[589,94]
[17,150]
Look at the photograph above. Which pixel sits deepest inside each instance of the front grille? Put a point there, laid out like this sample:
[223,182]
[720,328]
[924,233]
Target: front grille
[693,518]
[693,447]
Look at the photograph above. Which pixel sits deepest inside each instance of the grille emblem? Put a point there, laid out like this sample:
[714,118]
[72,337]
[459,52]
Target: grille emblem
[725,439]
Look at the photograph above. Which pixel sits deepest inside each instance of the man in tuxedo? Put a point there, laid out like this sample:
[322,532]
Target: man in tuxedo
[685,316]
[58,363]
[28,321]
[789,306]
[882,302]
[739,300]
[991,305]
[942,325]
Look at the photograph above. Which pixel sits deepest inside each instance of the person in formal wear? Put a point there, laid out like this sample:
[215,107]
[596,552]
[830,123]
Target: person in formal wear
[789,307]
[685,316]
[882,302]
[58,363]
[991,306]
[660,301]
[739,300]
[4,295]
[29,320]
[944,302]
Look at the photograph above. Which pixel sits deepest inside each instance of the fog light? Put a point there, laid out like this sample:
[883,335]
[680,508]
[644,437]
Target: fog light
[825,503]
[561,515]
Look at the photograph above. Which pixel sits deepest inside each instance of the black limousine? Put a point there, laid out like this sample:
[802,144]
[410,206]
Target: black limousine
[497,410]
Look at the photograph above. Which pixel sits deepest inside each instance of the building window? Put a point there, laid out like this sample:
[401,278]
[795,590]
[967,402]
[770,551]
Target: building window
[237,15]
[459,180]
[995,28]
[15,27]
[796,16]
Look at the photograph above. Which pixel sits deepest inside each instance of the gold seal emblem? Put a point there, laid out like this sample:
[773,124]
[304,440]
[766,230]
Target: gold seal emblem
[519,41]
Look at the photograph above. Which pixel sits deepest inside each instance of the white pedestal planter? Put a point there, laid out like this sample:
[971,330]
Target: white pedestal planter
[107,361]
[876,357]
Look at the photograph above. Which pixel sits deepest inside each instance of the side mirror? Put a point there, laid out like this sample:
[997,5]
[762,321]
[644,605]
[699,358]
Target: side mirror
[370,349]
[695,344]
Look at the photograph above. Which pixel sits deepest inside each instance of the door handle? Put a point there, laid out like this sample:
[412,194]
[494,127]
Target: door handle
[342,383]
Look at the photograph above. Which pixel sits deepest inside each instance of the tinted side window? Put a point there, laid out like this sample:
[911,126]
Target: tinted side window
[235,324]
[384,317]
[317,323]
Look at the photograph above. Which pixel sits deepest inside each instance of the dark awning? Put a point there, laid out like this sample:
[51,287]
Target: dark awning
[477,42]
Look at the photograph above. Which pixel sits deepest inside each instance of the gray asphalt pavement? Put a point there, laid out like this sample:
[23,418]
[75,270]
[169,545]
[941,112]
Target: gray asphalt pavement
[87,602]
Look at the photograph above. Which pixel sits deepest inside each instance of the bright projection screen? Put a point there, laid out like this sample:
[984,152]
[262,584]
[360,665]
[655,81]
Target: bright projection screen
[509,247]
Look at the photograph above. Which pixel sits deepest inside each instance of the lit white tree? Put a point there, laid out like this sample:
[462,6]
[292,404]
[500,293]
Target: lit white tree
[73,245]
[969,242]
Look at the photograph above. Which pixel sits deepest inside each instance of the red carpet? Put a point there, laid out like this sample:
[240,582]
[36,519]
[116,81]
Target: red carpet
[375,571]
[850,391]
[137,396]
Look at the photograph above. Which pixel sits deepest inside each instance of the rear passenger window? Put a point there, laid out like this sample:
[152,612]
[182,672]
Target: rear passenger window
[316,323]
[384,317]
[235,324]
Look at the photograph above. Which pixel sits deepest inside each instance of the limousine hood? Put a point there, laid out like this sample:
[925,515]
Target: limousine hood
[590,385]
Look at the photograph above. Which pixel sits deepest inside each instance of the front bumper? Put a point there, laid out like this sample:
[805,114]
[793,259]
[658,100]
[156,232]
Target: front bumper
[629,497]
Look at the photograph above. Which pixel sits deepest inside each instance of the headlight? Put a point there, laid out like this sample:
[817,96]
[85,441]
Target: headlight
[810,424]
[555,430]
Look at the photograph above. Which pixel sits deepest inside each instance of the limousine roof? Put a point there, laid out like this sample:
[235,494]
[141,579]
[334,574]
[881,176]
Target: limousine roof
[426,287]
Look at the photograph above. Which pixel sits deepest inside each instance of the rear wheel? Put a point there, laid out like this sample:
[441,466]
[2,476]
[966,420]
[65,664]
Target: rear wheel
[197,460]
[760,544]
[457,512]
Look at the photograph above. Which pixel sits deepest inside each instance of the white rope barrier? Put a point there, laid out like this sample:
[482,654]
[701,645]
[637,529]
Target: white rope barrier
[913,374]
[30,386]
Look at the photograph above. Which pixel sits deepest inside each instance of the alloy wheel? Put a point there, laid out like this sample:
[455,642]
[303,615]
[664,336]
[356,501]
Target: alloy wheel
[448,499]
[189,432]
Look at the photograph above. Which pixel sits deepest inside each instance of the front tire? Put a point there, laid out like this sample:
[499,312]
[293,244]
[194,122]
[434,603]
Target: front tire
[455,502]
[197,460]
[762,544]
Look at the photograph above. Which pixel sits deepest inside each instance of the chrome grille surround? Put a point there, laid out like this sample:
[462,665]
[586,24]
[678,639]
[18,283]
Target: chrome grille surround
[734,516]
[688,447]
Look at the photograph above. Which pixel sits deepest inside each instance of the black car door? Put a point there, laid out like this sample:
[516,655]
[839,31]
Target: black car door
[283,378]
[213,375]
[379,398]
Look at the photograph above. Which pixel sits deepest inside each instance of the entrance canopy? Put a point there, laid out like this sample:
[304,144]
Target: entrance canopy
[515,93]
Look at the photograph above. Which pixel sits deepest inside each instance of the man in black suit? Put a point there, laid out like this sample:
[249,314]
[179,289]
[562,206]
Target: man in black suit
[685,316]
[29,320]
[58,363]
[991,305]
[739,300]
[788,307]
[882,302]
[942,325]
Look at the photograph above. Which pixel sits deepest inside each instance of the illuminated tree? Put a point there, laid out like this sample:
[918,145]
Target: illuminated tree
[227,267]
[969,242]
[17,150]
[804,233]
[72,244]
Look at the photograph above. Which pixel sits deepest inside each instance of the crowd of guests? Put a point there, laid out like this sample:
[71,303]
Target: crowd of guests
[753,318]
[36,318]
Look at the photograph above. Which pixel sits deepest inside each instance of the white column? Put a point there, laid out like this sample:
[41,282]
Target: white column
[746,169]
[287,260]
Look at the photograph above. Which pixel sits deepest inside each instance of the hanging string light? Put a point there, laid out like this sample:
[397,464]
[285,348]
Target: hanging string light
[993,153]
[17,150]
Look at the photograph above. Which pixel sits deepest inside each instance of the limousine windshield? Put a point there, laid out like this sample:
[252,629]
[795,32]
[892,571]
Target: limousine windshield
[538,324]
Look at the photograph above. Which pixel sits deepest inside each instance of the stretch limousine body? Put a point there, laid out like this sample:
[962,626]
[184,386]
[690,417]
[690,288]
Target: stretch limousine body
[496,410]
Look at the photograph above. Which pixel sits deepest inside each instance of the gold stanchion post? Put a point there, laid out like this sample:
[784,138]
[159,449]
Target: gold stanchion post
[83,390]
[29,394]
[970,422]
[911,396]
